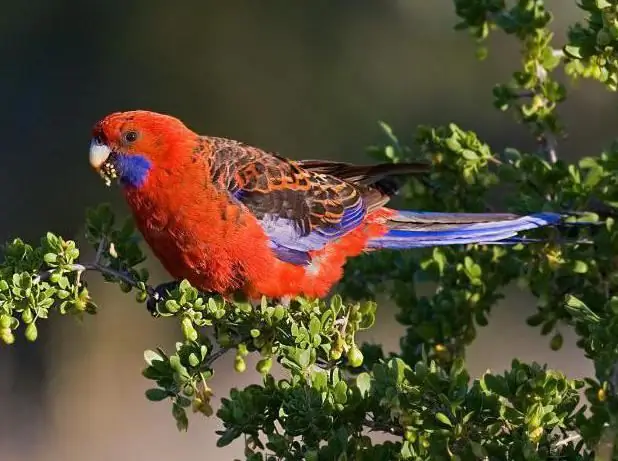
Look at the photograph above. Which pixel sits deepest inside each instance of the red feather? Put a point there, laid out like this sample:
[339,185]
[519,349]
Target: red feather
[187,213]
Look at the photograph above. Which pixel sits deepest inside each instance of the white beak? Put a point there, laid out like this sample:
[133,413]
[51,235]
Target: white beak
[99,153]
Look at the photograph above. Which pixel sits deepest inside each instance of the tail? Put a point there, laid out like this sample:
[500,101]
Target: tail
[417,229]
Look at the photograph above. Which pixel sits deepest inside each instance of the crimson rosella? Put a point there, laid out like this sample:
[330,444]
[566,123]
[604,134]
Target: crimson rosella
[229,217]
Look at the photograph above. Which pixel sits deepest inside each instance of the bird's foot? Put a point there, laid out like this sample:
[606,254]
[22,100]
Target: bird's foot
[157,294]
[257,301]
[343,323]
[285,301]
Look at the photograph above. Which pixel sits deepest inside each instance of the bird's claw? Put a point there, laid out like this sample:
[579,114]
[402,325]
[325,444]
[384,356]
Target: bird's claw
[157,294]
[343,323]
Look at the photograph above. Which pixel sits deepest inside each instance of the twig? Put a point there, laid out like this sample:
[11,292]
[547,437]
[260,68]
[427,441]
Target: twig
[548,138]
[569,439]
[549,145]
[100,250]
[524,94]
[112,273]
[216,355]
[96,266]
[374,426]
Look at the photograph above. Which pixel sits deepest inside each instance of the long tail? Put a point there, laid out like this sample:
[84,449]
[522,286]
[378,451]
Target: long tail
[416,229]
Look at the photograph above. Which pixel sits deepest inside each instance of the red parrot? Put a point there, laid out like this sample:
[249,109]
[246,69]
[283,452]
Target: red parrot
[230,217]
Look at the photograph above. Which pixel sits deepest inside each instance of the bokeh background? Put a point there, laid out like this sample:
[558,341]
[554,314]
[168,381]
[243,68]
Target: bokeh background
[303,78]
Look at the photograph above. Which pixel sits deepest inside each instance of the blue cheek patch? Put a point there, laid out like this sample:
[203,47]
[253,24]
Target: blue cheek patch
[132,169]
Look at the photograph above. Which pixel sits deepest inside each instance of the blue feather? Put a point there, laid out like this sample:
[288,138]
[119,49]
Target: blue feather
[132,169]
[290,246]
[497,231]
[298,258]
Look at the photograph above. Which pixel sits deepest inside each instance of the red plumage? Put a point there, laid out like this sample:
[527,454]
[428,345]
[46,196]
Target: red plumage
[188,215]
[231,217]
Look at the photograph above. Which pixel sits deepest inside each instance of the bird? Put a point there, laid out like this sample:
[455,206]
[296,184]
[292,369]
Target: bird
[232,218]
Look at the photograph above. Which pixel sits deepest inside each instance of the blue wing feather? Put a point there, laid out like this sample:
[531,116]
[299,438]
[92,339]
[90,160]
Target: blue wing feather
[291,246]
[498,231]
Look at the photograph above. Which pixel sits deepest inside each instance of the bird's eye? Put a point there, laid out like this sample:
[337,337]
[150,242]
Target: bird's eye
[130,136]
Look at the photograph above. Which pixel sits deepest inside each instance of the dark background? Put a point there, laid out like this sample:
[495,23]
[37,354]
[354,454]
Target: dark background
[305,79]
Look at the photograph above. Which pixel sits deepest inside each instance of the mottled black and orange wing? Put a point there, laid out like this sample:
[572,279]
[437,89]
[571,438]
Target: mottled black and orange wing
[301,207]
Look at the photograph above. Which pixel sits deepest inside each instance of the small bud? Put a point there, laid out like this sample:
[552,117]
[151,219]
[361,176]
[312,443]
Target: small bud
[556,342]
[335,354]
[410,436]
[355,357]
[6,334]
[188,390]
[193,360]
[125,287]
[5,321]
[188,330]
[31,332]
[27,315]
[263,366]
[239,364]
[242,350]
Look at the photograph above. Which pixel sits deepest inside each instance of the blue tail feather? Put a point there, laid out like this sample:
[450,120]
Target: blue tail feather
[410,229]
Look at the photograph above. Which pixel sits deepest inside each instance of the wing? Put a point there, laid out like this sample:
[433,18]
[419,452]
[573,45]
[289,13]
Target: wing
[377,180]
[299,209]
[365,174]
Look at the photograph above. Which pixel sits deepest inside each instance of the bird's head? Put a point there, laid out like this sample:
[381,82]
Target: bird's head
[127,145]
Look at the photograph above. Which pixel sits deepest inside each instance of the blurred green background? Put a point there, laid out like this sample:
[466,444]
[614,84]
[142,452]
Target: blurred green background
[303,78]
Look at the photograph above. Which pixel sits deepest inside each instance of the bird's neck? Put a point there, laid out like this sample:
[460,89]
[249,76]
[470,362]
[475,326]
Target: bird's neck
[168,188]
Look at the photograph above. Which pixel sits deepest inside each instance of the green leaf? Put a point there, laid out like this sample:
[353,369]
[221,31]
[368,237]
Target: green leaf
[314,326]
[440,259]
[304,358]
[363,382]
[536,319]
[579,310]
[588,162]
[149,356]
[496,385]
[580,267]
[444,419]
[340,392]
[180,415]
[478,450]
[156,394]
[469,154]
[573,51]
[50,258]
[319,380]
[336,303]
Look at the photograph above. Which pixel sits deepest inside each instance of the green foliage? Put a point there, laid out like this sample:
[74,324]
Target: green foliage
[336,392]
[593,47]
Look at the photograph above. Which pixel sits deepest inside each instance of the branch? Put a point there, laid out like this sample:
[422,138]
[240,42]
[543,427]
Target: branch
[378,427]
[214,356]
[548,139]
